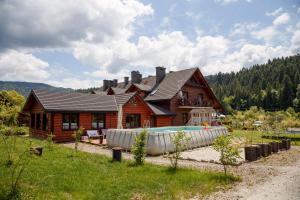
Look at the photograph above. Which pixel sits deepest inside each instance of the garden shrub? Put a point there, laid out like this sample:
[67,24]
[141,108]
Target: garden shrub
[139,147]
[229,153]
[180,143]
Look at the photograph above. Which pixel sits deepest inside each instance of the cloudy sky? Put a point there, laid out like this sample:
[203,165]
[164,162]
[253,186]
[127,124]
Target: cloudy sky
[78,43]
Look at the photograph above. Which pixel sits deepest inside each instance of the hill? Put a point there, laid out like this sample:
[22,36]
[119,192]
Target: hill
[274,85]
[24,88]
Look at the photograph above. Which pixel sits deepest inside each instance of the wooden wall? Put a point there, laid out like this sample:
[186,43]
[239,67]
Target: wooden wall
[192,94]
[137,106]
[163,121]
[85,121]
[38,109]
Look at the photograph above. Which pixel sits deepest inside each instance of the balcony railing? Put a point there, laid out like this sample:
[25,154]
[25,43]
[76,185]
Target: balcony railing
[193,102]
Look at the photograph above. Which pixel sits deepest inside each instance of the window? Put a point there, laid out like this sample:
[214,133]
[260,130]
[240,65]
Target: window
[185,95]
[185,118]
[98,120]
[70,121]
[32,120]
[38,121]
[200,99]
[133,120]
[45,122]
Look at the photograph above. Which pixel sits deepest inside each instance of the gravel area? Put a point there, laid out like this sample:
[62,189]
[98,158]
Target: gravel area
[275,177]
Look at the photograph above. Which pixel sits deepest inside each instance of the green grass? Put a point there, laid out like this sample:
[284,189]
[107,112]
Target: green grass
[256,136]
[63,174]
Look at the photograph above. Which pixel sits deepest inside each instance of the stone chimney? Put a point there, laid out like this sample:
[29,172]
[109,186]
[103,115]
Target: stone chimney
[115,83]
[160,74]
[126,80]
[136,77]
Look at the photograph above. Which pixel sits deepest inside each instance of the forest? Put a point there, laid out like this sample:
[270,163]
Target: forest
[272,86]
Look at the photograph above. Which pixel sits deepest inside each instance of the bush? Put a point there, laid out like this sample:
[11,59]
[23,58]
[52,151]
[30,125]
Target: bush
[77,137]
[180,142]
[139,147]
[22,130]
[229,154]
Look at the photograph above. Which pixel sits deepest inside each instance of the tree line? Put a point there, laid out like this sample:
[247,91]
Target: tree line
[274,85]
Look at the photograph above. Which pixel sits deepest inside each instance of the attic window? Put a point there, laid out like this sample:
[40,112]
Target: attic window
[153,92]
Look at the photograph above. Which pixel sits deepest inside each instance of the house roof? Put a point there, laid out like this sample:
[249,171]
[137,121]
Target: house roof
[58,101]
[170,85]
[157,110]
[122,99]
[143,87]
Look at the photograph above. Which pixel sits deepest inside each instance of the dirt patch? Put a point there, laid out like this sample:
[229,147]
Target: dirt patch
[273,177]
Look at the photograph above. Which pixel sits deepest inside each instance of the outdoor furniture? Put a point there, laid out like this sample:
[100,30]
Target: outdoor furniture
[93,133]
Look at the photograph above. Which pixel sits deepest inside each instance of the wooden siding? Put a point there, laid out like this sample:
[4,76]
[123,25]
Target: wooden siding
[136,106]
[85,121]
[193,92]
[37,108]
[163,121]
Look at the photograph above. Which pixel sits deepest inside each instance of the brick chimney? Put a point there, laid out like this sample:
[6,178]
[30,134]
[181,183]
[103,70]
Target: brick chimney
[126,80]
[160,74]
[136,77]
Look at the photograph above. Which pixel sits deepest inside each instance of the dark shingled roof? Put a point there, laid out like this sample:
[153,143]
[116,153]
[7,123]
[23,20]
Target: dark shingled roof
[122,99]
[157,110]
[144,87]
[170,85]
[58,101]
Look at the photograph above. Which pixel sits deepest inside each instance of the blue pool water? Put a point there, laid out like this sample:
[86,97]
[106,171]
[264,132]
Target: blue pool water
[174,128]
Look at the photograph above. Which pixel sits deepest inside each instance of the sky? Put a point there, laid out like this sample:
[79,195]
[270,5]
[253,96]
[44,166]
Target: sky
[78,43]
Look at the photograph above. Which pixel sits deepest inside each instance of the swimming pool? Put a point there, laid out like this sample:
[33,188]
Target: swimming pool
[159,140]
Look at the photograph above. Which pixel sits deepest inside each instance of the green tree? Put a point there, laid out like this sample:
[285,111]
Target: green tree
[287,93]
[228,153]
[180,143]
[139,147]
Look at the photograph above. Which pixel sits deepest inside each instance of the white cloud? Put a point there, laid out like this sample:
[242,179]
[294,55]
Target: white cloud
[58,23]
[275,12]
[20,66]
[230,1]
[242,28]
[282,19]
[295,42]
[267,33]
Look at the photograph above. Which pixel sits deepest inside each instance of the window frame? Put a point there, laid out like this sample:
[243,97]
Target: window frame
[69,121]
[32,120]
[185,118]
[139,121]
[98,121]
[45,122]
[38,121]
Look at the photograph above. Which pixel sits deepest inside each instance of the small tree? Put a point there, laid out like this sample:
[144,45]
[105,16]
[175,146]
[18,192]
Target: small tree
[77,137]
[180,142]
[50,137]
[139,147]
[229,153]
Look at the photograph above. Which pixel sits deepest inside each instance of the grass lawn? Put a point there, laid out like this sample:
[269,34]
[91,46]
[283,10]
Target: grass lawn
[257,136]
[63,174]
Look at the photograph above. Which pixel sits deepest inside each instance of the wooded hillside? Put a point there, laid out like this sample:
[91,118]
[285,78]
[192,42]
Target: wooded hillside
[272,86]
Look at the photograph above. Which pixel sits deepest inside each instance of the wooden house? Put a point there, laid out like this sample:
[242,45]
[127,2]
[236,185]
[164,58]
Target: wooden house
[166,99]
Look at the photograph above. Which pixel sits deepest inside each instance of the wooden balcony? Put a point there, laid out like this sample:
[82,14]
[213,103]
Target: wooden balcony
[183,102]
